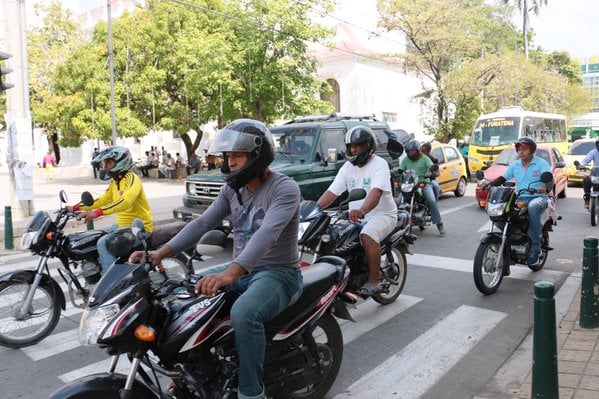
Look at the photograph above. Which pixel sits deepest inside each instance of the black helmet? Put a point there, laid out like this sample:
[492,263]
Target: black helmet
[527,142]
[394,145]
[597,143]
[122,157]
[120,243]
[413,149]
[244,135]
[360,135]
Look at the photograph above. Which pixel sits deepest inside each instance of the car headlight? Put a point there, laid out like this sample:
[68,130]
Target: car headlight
[495,209]
[29,239]
[303,226]
[94,321]
[473,160]
[407,187]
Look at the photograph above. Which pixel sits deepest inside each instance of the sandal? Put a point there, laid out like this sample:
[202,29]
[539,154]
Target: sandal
[368,290]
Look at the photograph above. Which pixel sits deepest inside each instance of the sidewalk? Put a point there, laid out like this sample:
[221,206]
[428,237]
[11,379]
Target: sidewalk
[163,194]
[578,355]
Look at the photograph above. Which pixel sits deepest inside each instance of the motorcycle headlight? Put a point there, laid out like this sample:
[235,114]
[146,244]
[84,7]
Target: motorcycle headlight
[303,226]
[594,179]
[407,187]
[29,239]
[94,321]
[496,209]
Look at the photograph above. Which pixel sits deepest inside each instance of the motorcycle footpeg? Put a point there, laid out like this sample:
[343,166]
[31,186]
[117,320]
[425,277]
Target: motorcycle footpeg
[349,297]
[411,238]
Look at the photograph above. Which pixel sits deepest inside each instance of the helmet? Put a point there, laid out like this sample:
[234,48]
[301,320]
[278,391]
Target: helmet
[121,156]
[597,143]
[360,135]
[527,142]
[120,243]
[394,145]
[413,149]
[244,135]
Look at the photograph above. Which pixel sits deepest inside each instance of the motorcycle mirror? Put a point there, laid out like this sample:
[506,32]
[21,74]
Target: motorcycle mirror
[356,194]
[63,196]
[576,163]
[480,175]
[87,199]
[212,243]
[546,177]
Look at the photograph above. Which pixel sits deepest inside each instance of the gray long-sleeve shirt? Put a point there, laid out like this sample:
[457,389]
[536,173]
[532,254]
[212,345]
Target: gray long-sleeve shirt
[265,227]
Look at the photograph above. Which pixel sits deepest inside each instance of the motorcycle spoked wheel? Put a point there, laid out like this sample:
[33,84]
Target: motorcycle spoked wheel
[394,270]
[329,341]
[38,324]
[487,277]
[594,211]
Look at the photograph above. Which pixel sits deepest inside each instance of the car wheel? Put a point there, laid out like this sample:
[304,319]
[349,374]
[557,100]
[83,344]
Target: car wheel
[461,190]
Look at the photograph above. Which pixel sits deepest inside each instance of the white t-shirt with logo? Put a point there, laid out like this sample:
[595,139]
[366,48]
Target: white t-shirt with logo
[375,174]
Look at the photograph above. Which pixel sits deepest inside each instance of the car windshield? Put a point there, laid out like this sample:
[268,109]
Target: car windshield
[293,143]
[581,147]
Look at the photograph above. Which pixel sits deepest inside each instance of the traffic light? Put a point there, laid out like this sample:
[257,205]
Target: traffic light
[3,72]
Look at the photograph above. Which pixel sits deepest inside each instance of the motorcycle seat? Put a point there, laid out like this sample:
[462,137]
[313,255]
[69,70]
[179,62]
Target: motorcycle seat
[164,232]
[318,279]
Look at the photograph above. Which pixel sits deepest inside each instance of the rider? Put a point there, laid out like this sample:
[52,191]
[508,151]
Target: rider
[527,171]
[592,156]
[422,165]
[426,150]
[125,197]
[265,272]
[370,172]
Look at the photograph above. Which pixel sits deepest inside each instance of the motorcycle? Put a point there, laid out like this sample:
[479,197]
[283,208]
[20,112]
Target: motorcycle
[320,234]
[191,338]
[31,301]
[594,194]
[412,199]
[507,241]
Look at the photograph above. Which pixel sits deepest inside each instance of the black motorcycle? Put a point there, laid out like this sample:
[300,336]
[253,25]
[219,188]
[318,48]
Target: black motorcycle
[507,241]
[323,233]
[412,199]
[593,175]
[189,338]
[31,300]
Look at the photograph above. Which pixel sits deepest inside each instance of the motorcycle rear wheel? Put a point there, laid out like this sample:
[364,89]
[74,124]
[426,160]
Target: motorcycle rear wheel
[327,333]
[38,324]
[487,277]
[394,276]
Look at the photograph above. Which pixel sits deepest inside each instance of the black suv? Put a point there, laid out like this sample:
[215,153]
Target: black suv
[309,149]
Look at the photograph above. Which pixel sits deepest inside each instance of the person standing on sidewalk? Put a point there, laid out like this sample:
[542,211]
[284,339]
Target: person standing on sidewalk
[95,153]
[125,198]
[49,163]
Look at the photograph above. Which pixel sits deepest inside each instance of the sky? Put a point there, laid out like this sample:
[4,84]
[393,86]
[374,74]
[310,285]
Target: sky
[568,25]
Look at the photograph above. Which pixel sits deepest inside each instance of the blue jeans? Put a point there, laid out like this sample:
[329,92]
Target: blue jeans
[429,196]
[106,258]
[436,189]
[264,294]
[536,206]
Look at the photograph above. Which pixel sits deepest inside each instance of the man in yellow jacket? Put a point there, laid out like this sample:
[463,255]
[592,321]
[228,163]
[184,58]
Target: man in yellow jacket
[125,197]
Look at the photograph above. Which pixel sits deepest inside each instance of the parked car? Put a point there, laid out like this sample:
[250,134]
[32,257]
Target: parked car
[578,150]
[509,155]
[452,169]
[309,149]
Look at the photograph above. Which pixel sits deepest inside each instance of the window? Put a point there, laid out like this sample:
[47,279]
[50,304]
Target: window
[332,138]
[389,116]
[438,154]
[452,154]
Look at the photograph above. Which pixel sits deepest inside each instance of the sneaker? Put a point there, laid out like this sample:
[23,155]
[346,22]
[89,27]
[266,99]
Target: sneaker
[441,229]
[533,259]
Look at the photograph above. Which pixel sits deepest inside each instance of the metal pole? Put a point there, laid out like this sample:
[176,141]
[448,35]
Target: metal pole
[8,232]
[544,345]
[111,65]
[589,300]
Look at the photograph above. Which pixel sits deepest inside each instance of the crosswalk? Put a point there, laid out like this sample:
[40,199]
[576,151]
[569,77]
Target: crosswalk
[418,365]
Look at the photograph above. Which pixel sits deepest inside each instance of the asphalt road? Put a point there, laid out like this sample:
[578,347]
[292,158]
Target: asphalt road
[440,339]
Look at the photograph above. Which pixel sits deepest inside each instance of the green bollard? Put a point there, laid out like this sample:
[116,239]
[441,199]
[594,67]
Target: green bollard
[589,301]
[544,345]
[90,225]
[8,232]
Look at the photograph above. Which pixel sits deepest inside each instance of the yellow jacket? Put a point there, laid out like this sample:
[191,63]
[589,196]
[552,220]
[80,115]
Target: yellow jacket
[127,200]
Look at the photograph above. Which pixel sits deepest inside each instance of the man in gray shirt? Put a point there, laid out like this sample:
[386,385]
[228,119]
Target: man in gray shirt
[264,209]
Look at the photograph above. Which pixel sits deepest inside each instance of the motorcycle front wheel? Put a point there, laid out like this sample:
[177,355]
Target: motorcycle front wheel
[18,331]
[594,211]
[487,277]
[394,270]
[329,343]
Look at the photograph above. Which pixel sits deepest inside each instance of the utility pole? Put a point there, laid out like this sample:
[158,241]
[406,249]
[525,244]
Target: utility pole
[18,115]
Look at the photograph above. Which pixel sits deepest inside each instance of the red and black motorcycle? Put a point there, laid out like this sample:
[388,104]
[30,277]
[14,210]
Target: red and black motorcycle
[189,338]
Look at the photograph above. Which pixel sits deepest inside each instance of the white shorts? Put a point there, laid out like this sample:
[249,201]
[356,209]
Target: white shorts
[379,227]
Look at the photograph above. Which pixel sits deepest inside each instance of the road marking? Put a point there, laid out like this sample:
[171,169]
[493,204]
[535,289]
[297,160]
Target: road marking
[465,265]
[412,371]
[53,345]
[457,208]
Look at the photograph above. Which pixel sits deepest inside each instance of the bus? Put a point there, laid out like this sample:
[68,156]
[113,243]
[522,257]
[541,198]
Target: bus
[499,130]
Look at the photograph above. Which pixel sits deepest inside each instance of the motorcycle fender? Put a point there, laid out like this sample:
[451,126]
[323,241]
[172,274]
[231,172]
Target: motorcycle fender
[27,276]
[101,386]
[496,238]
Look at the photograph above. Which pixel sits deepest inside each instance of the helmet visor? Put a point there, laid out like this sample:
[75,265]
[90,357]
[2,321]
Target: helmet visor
[233,141]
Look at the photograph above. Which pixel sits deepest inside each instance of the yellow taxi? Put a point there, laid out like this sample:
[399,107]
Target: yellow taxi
[452,168]
[578,150]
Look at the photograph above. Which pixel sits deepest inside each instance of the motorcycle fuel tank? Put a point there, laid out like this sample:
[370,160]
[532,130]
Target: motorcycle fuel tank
[82,245]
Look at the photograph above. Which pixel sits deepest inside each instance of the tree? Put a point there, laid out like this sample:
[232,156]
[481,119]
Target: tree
[523,6]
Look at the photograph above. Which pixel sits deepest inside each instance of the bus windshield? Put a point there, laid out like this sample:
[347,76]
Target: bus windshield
[496,131]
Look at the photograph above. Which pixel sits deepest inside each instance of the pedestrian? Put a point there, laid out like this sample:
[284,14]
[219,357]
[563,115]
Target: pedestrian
[95,153]
[194,164]
[49,163]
